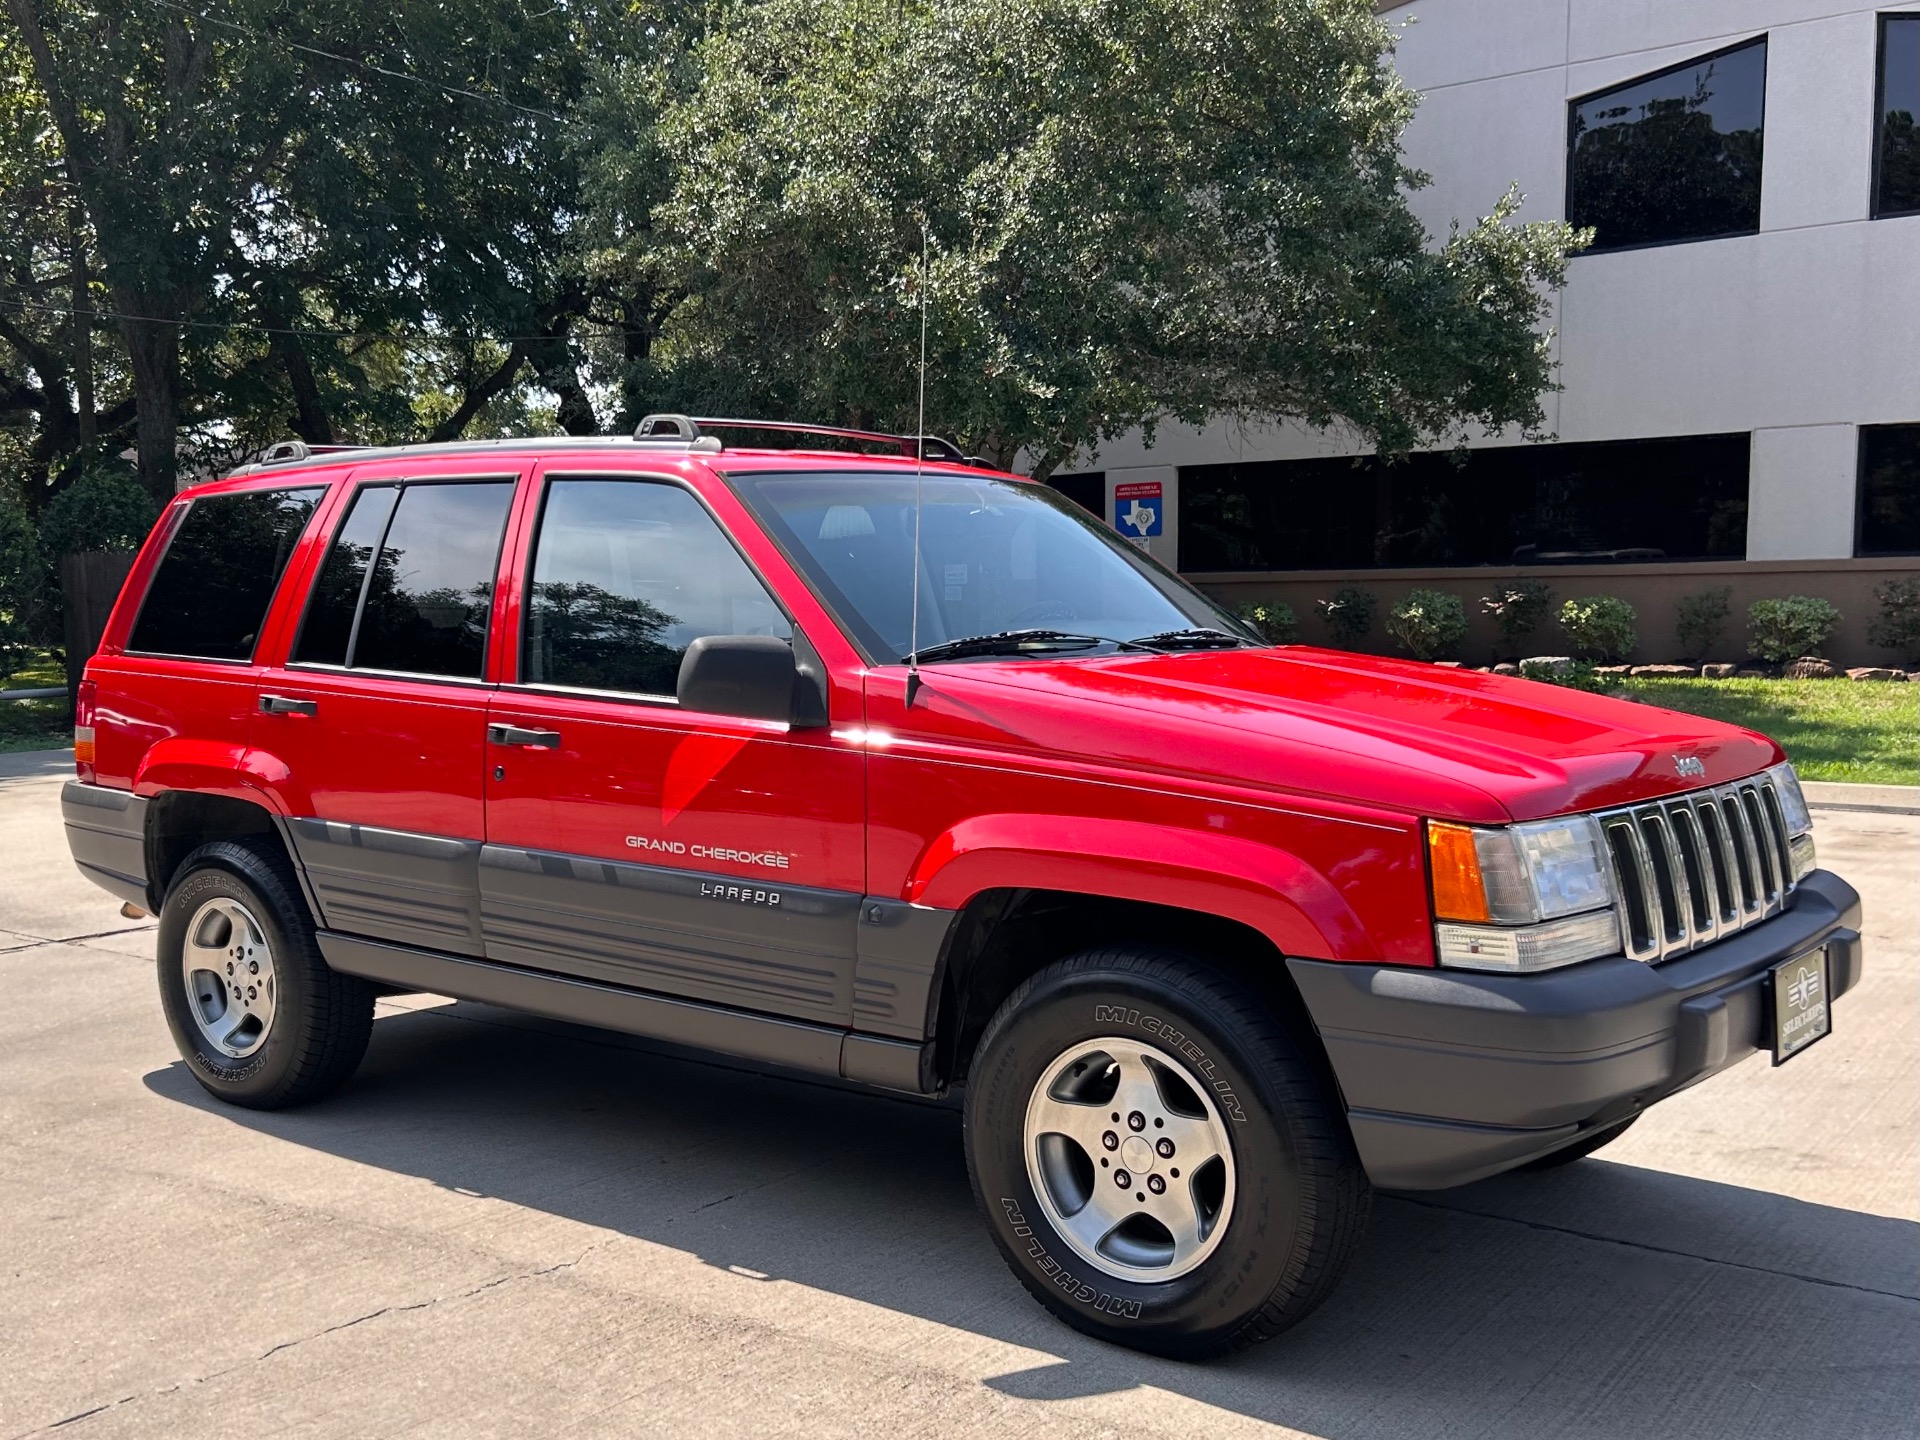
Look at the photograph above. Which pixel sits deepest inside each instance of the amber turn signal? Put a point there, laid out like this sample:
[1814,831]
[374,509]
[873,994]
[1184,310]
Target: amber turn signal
[83,744]
[1459,892]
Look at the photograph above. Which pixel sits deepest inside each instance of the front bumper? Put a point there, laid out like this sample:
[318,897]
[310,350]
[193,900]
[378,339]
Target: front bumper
[1450,1076]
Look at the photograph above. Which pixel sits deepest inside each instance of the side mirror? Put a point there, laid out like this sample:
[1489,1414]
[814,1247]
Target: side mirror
[753,676]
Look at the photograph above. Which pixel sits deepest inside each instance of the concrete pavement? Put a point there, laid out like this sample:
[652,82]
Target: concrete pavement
[508,1227]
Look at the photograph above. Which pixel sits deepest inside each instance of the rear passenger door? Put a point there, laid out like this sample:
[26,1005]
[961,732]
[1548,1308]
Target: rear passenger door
[631,841]
[373,729]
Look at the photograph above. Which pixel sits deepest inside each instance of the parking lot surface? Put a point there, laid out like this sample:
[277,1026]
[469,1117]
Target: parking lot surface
[509,1227]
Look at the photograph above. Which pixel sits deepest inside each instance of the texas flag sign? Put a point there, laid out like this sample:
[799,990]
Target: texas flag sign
[1138,509]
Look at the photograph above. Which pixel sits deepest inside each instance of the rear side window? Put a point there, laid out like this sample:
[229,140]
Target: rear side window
[421,606]
[211,592]
[626,575]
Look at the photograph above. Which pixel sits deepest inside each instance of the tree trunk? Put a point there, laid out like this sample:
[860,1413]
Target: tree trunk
[153,348]
[82,331]
[310,420]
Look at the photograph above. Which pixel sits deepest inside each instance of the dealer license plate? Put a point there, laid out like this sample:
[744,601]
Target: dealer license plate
[1802,1004]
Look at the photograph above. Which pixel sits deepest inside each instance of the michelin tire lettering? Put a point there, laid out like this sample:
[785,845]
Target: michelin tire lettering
[1176,1040]
[1069,1283]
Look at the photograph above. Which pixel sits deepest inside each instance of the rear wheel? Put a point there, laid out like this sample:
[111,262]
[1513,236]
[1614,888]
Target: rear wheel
[257,1015]
[1159,1161]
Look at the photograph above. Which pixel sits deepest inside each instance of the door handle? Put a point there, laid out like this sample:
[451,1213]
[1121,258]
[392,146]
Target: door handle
[286,705]
[514,735]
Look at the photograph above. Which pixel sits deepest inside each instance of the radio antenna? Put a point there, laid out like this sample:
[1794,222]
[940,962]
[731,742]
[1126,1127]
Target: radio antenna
[919,456]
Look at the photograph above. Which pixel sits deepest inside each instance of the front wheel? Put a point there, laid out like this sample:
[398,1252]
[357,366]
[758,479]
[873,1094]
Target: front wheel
[1159,1161]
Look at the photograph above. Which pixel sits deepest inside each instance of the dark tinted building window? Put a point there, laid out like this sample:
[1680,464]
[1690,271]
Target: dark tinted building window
[1672,156]
[1632,500]
[1889,490]
[626,575]
[1088,491]
[212,590]
[1896,155]
[432,587]
[328,628]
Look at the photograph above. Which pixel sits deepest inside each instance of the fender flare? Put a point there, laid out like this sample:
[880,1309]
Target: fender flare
[1268,889]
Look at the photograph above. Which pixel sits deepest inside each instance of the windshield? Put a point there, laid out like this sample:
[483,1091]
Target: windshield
[995,556]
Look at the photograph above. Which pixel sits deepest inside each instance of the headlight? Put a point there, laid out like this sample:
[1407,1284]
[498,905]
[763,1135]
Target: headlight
[1521,897]
[1793,804]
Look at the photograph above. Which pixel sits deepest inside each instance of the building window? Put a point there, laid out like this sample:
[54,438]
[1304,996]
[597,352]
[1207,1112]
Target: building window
[1613,502]
[1671,156]
[1889,490]
[1087,490]
[1896,145]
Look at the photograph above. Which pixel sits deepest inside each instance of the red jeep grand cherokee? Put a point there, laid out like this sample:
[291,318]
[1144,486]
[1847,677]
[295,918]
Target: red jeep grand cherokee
[1215,935]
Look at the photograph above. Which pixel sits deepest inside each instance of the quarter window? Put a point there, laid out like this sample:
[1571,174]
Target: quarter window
[210,595]
[1889,490]
[1896,155]
[1671,156]
[422,607]
[626,575]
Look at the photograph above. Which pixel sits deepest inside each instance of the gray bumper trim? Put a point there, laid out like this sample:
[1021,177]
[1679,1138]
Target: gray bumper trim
[1450,1076]
[107,835]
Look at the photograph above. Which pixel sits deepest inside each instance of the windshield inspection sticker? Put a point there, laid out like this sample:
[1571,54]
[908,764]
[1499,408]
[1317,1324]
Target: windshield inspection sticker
[1137,508]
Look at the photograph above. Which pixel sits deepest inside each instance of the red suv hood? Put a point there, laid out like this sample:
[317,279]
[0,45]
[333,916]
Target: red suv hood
[1402,735]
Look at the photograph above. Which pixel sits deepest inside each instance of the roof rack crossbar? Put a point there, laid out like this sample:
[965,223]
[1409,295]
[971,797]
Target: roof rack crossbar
[930,447]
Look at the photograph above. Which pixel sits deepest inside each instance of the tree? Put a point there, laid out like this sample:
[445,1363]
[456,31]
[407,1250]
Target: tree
[1131,209]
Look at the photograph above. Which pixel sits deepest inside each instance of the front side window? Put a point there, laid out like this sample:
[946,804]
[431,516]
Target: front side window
[1889,490]
[211,592]
[1671,156]
[1896,157]
[421,607]
[994,556]
[626,575]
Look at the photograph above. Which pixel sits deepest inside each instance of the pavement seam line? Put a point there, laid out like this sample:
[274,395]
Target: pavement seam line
[383,1311]
[1656,1249]
[71,939]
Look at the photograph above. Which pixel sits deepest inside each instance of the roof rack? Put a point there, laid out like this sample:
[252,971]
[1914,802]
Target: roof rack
[689,430]
[285,452]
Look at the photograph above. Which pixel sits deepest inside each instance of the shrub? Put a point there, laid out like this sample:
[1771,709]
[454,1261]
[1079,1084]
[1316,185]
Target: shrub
[1349,614]
[1780,630]
[1702,620]
[1600,627]
[22,585]
[1518,609]
[1897,626]
[1429,624]
[1574,674]
[105,509]
[1272,620]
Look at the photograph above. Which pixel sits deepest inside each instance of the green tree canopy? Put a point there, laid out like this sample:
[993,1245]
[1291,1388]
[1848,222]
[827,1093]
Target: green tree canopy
[1132,209]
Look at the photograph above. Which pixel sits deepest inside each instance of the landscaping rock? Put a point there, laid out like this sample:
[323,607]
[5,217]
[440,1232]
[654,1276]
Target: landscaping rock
[1718,672]
[1810,667]
[1751,674]
[1506,667]
[1875,672]
[1671,672]
[1614,670]
[1451,664]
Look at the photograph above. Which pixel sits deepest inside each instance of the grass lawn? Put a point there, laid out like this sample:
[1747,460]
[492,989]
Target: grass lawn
[37,674]
[35,725]
[1861,731]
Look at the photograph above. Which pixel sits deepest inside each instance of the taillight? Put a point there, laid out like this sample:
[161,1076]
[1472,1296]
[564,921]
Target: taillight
[83,751]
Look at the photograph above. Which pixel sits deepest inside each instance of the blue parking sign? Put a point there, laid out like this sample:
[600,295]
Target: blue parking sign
[1138,509]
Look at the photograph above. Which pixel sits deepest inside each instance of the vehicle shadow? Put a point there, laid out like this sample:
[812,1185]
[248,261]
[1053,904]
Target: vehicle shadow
[1601,1300]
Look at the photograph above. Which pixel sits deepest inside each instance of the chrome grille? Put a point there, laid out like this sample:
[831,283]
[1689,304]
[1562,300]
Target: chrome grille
[1699,866]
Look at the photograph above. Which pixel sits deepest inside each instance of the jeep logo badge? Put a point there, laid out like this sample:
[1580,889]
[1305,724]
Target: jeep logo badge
[1690,767]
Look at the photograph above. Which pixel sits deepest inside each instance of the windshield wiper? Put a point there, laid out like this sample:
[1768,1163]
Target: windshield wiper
[1011,642]
[1195,639]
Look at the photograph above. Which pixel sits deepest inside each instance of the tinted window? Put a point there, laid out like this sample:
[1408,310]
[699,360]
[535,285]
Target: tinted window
[1088,491]
[211,592]
[626,575]
[1896,177]
[1673,156]
[432,587]
[1637,500]
[994,555]
[1890,490]
[336,595]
